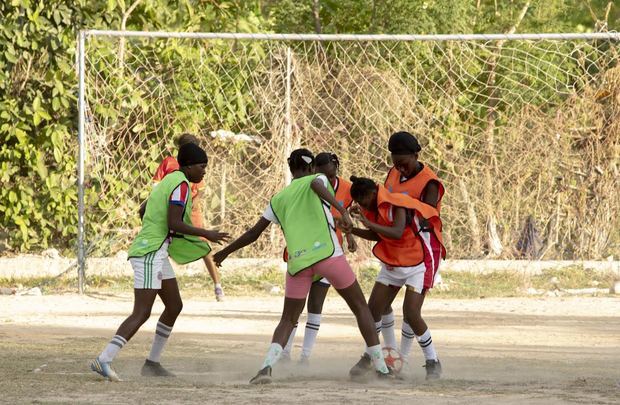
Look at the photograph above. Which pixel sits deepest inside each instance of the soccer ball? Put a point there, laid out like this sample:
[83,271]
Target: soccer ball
[393,359]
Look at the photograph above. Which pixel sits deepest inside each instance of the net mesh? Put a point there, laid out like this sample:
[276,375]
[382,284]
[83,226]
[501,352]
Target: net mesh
[525,134]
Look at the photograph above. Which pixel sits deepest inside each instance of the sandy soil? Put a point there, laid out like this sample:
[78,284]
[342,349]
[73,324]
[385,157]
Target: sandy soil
[533,351]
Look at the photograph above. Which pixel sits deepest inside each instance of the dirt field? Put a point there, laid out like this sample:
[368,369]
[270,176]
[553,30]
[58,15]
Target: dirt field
[512,350]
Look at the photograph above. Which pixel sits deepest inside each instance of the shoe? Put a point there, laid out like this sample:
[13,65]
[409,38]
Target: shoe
[263,376]
[104,369]
[154,369]
[433,369]
[304,361]
[390,375]
[219,294]
[363,366]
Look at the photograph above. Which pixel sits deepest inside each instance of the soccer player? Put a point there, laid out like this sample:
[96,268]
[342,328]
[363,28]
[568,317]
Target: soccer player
[329,165]
[303,210]
[170,164]
[408,235]
[411,177]
[167,230]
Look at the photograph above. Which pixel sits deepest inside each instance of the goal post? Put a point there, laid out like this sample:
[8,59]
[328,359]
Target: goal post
[522,128]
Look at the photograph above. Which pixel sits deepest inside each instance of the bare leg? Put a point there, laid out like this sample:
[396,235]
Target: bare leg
[290,316]
[412,310]
[316,298]
[143,303]
[381,298]
[171,298]
[212,268]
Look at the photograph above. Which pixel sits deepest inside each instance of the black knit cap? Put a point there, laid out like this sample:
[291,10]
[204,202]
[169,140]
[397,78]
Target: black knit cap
[191,154]
[403,143]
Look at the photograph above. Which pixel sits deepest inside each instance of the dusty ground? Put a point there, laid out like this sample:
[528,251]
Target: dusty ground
[511,350]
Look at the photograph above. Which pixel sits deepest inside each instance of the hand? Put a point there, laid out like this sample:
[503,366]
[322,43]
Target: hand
[219,257]
[357,214]
[216,236]
[355,210]
[425,226]
[351,244]
[346,223]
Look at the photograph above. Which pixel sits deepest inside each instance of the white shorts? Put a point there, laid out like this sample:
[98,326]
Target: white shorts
[149,270]
[398,276]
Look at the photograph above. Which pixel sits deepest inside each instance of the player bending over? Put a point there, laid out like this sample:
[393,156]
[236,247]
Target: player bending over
[408,235]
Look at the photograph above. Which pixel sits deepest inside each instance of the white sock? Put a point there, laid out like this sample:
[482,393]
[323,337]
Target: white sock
[312,330]
[112,349]
[162,333]
[406,340]
[273,355]
[217,285]
[376,354]
[426,343]
[378,329]
[289,344]
[387,330]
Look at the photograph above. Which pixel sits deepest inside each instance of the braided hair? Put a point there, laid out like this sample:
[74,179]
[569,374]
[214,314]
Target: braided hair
[361,186]
[301,159]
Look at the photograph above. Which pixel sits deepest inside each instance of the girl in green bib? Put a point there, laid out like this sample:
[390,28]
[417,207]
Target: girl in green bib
[166,231]
[302,210]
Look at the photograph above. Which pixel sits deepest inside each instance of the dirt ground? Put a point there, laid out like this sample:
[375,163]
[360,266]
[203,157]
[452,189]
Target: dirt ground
[510,350]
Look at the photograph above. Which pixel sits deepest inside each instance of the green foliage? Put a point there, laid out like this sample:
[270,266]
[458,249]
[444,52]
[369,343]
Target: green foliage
[38,146]
[38,87]
[37,110]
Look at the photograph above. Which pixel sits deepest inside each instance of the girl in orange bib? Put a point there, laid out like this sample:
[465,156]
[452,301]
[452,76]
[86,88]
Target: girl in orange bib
[409,246]
[411,177]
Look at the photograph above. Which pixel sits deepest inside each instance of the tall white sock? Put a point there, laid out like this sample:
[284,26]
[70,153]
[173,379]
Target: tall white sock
[376,354]
[162,333]
[289,345]
[406,340]
[112,349]
[312,330]
[426,343]
[387,330]
[273,355]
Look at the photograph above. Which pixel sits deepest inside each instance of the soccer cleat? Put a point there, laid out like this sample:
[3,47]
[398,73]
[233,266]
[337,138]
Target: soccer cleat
[104,369]
[154,369]
[262,377]
[363,366]
[433,369]
[219,294]
[390,375]
[304,361]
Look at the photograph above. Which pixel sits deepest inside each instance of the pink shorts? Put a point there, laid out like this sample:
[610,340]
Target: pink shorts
[335,269]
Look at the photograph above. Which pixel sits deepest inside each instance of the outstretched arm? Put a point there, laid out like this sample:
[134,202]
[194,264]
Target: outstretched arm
[319,188]
[247,238]
[366,234]
[176,224]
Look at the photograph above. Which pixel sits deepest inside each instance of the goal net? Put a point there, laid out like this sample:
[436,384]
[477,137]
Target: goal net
[523,130]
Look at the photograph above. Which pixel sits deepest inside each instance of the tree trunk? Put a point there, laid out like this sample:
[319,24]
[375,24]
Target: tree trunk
[121,46]
[316,9]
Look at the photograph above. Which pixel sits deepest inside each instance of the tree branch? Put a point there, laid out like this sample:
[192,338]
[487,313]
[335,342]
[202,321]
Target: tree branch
[126,14]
